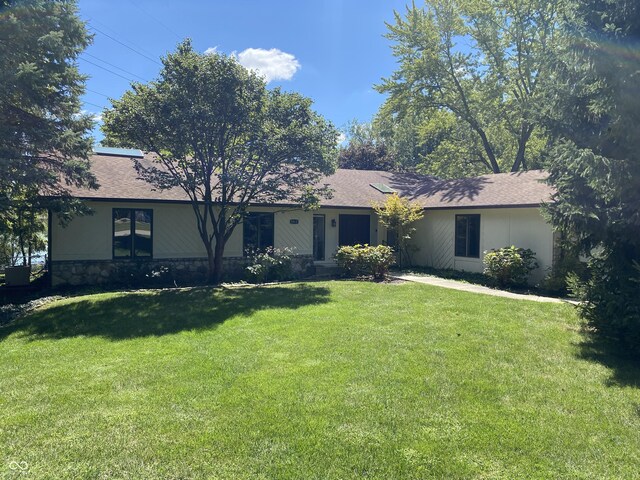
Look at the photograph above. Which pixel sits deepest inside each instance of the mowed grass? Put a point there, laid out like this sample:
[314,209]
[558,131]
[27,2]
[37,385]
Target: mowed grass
[315,380]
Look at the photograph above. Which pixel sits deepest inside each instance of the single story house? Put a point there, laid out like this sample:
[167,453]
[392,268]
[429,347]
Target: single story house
[136,227]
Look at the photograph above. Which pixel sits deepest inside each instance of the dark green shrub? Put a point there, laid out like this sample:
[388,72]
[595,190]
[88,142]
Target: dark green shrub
[565,267]
[269,265]
[609,300]
[509,265]
[365,260]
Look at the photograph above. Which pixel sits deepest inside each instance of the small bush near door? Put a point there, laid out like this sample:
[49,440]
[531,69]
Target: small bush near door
[365,260]
[509,265]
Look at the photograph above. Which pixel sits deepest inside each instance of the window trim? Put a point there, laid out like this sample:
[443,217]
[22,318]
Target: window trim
[455,236]
[132,256]
[258,214]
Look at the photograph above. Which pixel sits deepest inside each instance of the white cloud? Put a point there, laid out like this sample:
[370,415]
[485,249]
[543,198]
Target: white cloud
[272,64]
[341,138]
[97,117]
[211,50]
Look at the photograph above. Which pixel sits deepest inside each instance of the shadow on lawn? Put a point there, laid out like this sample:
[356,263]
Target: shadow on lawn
[160,312]
[624,366]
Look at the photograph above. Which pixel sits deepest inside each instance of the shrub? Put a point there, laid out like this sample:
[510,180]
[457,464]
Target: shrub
[568,266]
[268,265]
[365,260]
[399,215]
[609,301]
[509,265]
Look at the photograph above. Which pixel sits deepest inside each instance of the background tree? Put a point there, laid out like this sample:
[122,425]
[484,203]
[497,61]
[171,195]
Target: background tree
[365,150]
[224,139]
[43,135]
[398,215]
[596,165]
[475,70]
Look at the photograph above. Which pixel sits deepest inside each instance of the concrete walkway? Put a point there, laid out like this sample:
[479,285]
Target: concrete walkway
[470,287]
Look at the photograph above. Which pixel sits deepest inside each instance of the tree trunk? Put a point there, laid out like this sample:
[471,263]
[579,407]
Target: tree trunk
[215,262]
[522,146]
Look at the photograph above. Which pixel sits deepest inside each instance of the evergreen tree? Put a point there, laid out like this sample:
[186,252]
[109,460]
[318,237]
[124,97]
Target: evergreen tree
[44,141]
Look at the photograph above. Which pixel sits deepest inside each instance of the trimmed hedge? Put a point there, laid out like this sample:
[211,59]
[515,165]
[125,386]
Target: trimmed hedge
[365,260]
[509,265]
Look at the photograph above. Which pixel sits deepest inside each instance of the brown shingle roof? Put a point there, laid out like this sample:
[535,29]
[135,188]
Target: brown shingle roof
[351,188]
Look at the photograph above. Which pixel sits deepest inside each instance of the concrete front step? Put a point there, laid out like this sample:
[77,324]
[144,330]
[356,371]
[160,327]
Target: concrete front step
[326,270]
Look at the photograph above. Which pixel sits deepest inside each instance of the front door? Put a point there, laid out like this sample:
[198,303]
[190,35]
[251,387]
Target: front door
[355,229]
[318,237]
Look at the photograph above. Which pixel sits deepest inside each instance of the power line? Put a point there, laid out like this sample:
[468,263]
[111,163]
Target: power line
[125,45]
[110,71]
[115,66]
[92,104]
[157,20]
[121,37]
[97,93]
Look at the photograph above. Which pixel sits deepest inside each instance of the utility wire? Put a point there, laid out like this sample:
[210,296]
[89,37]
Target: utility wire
[121,37]
[110,71]
[124,45]
[92,104]
[115,66]
[156,19]
[97,93]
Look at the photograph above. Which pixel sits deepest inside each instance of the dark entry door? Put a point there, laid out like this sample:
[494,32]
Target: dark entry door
[318,237]
[354,229]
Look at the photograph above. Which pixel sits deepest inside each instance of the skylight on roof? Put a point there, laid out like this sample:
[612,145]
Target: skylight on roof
[381,187]
[120,152]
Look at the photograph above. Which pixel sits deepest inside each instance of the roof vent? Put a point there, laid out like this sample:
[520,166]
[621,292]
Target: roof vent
[381,187]
[119,152]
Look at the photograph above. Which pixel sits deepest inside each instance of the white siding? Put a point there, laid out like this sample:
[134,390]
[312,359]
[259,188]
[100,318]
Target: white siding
[175,233]
[499,227]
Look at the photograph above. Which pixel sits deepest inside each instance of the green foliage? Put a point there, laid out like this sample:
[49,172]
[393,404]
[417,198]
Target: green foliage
[476,73]
[567,266]
[509,265]
[609,299]
[596,164]
[44,142]
[365,150]
[357,260]
[224,139]
[398,215]
[366,156]
[269,265]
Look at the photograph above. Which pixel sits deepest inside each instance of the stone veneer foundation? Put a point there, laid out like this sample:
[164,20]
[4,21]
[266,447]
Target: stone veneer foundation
[178,271]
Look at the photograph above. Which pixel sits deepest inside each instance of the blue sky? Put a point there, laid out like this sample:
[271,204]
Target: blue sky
[332,51]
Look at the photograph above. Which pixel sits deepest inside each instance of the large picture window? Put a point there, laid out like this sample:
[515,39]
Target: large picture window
[467,236]
[258,231]
[132,233]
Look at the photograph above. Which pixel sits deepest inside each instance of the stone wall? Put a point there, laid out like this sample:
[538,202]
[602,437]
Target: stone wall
[166,271]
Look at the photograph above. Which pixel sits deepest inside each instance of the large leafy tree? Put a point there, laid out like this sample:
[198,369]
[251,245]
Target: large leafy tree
[596,166]
[476,72]
[223,138]
[43,135]
[365,150]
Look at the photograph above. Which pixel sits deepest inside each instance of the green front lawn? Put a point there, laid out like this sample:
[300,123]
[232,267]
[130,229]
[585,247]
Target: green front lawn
[316,380]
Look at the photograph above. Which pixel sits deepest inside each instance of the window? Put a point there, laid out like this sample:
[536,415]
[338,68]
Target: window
[467,236]
[258,231]
[132,233]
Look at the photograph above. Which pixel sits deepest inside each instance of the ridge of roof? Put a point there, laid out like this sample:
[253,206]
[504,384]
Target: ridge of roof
[351,188]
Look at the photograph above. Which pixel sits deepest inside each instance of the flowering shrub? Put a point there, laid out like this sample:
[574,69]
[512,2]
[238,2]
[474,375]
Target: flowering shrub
[509,265]
[365,260]
[270,264]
